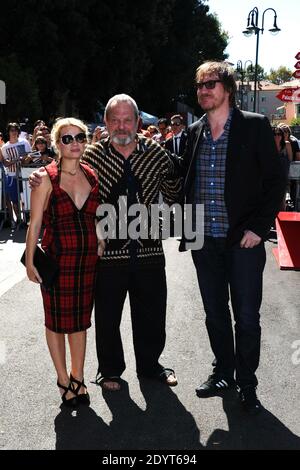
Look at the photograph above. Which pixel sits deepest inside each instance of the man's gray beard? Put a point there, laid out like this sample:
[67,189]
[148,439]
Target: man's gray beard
[123,140]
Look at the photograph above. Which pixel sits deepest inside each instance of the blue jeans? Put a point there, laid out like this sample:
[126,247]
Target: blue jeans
[221,270]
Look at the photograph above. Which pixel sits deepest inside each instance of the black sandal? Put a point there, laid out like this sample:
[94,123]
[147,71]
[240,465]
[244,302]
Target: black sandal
[83,398]
[70,402]
[103,380]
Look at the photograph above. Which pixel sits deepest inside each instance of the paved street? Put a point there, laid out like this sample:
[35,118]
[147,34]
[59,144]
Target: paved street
[147,415]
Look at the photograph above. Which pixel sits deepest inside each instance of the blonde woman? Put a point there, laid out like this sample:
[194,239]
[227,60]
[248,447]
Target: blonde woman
[66,202]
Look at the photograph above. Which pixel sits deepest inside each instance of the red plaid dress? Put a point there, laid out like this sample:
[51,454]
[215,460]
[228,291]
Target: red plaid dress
[70,238]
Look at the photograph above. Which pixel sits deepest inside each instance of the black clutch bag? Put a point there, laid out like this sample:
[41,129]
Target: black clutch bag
[46,266]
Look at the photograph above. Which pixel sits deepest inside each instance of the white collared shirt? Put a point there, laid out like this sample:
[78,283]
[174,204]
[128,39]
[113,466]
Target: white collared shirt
[176,141]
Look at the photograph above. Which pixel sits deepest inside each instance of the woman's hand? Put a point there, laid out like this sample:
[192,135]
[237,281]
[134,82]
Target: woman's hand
[33,274]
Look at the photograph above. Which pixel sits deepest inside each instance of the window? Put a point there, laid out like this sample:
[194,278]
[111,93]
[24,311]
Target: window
[263,99]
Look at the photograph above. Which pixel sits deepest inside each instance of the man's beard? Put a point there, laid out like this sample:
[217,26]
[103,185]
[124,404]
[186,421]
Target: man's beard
[123,140]
[212,105]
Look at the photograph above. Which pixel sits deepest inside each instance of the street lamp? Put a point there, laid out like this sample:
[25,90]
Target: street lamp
[242,70]
[252,27]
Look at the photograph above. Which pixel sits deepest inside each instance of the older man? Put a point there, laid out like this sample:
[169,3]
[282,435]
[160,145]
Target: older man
[132,166]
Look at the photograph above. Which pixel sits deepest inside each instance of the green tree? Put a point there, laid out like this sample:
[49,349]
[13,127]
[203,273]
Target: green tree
[123,57]
[193,36]
[280,75]
[295,122]
[250,73]
[78,54]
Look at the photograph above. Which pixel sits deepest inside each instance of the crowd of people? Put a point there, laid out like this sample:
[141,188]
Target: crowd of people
[229,161]
[21,150]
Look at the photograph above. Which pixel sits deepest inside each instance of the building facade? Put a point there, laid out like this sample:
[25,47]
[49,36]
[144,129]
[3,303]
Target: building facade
[267,102]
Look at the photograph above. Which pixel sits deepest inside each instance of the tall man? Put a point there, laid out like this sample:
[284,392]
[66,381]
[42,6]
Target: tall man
[131,165]
[232,167]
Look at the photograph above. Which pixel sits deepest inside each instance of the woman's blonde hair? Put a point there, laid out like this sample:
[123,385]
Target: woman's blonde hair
[63,122]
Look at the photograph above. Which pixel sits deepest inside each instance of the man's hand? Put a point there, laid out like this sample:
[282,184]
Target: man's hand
[250,239]
[35,179]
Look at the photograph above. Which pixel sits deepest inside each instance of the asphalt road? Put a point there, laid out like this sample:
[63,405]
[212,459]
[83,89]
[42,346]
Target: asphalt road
[147,415]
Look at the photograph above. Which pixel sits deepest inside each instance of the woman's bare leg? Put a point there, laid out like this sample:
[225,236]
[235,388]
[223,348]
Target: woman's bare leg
[57,349]
[77,342]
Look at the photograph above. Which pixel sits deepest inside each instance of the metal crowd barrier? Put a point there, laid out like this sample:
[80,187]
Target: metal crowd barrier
[25,173]
[3,208]
[22,176]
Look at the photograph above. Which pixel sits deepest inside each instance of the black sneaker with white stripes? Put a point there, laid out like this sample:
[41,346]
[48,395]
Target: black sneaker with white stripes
[213,386]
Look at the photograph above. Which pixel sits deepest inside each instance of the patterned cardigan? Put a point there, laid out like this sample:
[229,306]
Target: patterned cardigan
[155,170]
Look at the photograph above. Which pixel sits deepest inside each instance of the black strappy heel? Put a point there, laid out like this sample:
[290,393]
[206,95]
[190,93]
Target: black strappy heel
[70,402]
[83,398]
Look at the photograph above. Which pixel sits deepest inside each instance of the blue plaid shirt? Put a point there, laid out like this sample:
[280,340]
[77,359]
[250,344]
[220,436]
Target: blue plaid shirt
[210,180]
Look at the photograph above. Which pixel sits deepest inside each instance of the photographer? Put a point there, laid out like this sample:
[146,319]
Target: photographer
[41,155]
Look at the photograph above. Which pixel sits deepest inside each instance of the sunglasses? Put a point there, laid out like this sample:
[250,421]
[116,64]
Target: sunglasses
[175,124]
[68,138]
[209,85]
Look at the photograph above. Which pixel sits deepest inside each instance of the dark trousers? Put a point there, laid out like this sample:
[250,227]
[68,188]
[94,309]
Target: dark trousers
[147,291]
[221,270]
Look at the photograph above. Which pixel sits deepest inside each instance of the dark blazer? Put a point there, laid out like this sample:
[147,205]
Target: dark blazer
[254,181]
[182,144]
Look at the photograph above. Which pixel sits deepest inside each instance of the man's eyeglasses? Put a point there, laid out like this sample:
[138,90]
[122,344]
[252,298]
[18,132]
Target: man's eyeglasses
[209,85]
[175,124]
[68,138]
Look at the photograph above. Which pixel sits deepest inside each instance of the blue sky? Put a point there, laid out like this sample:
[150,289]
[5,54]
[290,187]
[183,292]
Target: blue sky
[273,50]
